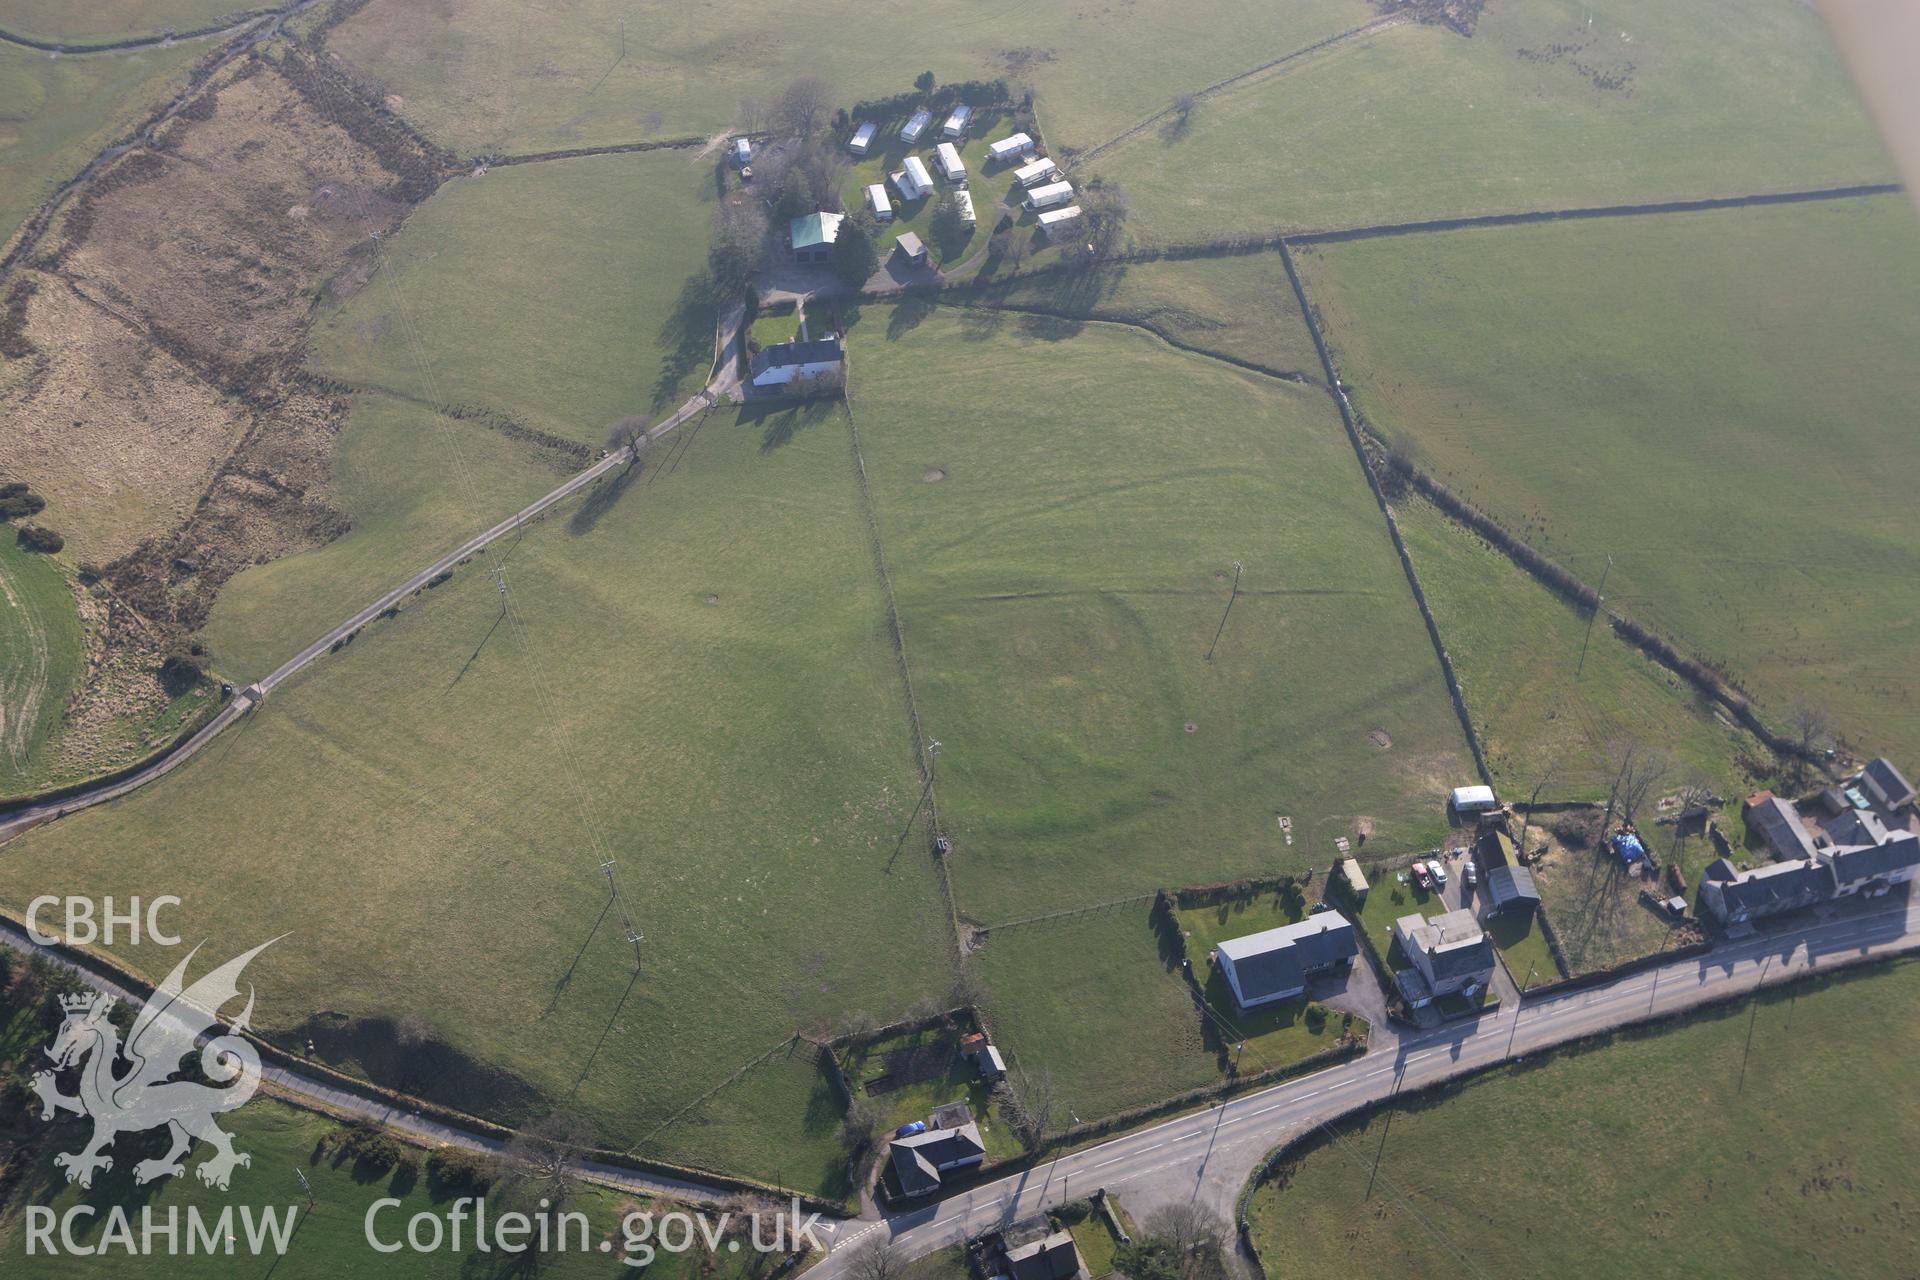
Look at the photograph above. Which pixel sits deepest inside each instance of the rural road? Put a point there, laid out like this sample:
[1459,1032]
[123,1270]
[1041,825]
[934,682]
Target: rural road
[16,821]
[1210,1155]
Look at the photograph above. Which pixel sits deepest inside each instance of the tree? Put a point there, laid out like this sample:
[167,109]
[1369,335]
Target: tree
[17,500]
[949,231]
[1012,244]
[924,83]
[860,1125]
[855,255]
[629,434]
[794,200]
[1177,1242]
[1105,207]
[542,1162]
[752,115]
[184,664]
[803,107]
[35,537]
[1029,1104]
[738,235]
[1637,771]
[967,991]
[1812,731]
[877,1260]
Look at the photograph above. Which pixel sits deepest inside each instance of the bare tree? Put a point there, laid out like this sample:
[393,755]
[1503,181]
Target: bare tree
[1188,1227]
[1183,103]
[803,107]
[1105,206]
[1012,244]
[542,1161]
[1637,772]
[629,434]
[860,1125]
[752,115]
[1030,1098]
[1812,731]
[968,990]
[877,1260]
[1526,819]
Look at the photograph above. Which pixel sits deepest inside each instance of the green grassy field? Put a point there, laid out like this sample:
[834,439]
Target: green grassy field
[697,682]
[330,1239]
[415,484]
[55,113]
[42,651]
[97,21]
[1060,587]
[555,293]
[1523,947]
[1386,902]
[490,77]
[1551,103]
[1090,1002]
[1640,1157]
[1241,307]
[1719,401]
[1541,712]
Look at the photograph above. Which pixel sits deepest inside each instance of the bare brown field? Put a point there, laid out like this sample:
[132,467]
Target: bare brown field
[159,399]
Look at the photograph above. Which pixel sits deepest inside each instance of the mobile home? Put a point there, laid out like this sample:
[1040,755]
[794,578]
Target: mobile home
[957,122]
[862,140]
[1054,221]
[742,152]
[913,181]
[1048,196]
[950,167]
[1041,170]
[912,129]
[1007,148]
[965,200]
[878,202]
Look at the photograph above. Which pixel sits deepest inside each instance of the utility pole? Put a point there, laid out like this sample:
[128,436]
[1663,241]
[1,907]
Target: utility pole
[1599,603]
[1531,966]
[1752,1017]
[1231,597]
[1384,1130]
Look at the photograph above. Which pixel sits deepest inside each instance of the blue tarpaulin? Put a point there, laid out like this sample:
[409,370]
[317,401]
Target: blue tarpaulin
[1628,846]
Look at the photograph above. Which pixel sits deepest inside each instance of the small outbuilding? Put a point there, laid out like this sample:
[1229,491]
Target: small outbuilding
[1355,881]
[915,126]
[956,126]
[862,140]
[1055,221]
[1052,194]
[1779,824]
[950,167]
[911,248]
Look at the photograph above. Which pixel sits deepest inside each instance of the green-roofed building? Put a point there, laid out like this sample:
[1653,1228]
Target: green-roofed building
[813,236]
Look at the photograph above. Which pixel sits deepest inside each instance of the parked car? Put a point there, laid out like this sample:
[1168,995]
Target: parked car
[910,1128]
[1472,873]
[1439,871]
[1422,876]
[1318,907]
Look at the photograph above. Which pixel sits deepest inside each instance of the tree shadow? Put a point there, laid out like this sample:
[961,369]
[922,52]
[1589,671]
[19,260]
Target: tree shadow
[687,337]
[781,421]
[914,306]
[602,497]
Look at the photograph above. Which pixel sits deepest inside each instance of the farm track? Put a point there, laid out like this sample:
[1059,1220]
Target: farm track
[1219,86]
[20,696]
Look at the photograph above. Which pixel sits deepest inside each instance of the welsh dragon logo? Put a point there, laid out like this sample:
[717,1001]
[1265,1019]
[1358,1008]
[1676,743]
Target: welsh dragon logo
[144,1095]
